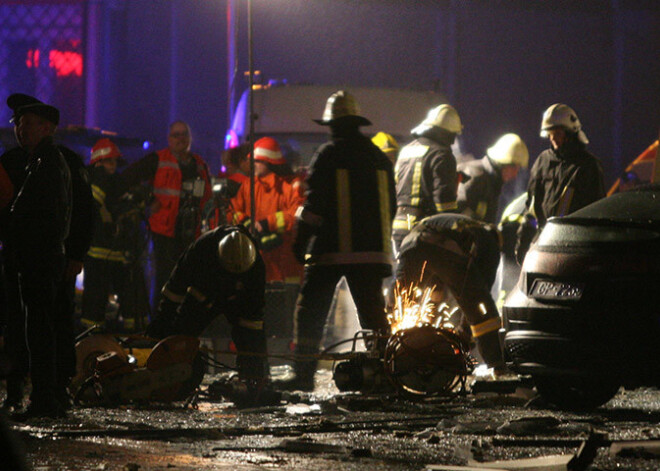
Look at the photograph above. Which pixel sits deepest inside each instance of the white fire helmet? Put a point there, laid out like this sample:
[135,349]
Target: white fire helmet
[237,252]
[509,150]
[561,115]
[444,116]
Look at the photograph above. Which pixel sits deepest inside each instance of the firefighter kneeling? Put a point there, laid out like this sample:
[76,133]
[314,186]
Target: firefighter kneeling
[462,254]
[220,273]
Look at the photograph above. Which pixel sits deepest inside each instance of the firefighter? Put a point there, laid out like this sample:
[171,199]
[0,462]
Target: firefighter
[563,179]
[181,187]
[426,176]
[220,273]
[105,265]
[461,254]
[478,196]
[39,224]
[387,144]
[276,202]
[343,230]
[509,271]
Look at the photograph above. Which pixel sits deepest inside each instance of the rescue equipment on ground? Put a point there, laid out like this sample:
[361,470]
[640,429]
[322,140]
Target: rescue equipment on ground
[424,357]
[107,374]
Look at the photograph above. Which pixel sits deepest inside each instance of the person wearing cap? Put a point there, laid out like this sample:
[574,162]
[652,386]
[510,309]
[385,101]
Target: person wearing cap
[105,264]
[221,272]
[40,220]
[564,178]
[276,202]
[478,196]
[181,188]
[343,230]
[426,176]
[76,245]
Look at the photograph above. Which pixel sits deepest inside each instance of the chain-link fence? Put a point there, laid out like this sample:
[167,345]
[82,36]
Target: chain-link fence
[42,47]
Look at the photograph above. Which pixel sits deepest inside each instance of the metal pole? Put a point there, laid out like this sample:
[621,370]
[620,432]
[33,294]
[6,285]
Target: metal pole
[251,108]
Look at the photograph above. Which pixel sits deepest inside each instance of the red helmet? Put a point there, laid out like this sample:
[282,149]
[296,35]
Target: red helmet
[267,150]
[104,149]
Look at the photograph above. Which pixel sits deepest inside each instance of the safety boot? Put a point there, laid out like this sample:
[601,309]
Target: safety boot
[303,379]
[14,400]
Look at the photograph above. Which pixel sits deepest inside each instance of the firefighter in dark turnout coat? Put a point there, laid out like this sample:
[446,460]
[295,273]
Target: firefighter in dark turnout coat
[426,177]
[344,229]
[564,178]
[220,273]
[478,196]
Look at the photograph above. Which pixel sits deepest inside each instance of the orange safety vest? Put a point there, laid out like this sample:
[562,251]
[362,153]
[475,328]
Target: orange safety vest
[167,190]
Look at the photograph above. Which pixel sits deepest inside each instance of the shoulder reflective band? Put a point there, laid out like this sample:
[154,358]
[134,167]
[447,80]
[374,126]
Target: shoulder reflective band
[344,211]
[485,327]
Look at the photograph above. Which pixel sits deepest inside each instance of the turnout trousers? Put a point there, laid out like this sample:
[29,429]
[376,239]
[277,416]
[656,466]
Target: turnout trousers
[316,295]
[468,284]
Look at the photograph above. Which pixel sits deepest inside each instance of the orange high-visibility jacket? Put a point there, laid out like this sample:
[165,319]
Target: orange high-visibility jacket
[276,205]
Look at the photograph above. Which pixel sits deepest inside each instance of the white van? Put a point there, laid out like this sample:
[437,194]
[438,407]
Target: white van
[285,112]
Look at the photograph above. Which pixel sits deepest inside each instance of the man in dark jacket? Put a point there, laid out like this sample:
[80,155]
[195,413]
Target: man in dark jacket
[457,252]
[564,178]
[426,177]
[76,245]
[479,194]
[220,273]
[40,220]
[343,230]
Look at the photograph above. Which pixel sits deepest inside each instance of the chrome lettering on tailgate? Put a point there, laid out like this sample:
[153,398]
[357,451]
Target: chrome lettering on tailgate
[557,290]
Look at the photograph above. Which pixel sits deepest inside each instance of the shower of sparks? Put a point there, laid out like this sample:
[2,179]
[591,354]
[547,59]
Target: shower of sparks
[413,307]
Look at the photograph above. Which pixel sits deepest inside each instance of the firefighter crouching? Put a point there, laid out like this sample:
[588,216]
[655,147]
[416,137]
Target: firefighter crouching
[462,254]
[220,273]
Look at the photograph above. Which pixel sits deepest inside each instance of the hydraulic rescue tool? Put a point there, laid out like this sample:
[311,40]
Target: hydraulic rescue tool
[108,374]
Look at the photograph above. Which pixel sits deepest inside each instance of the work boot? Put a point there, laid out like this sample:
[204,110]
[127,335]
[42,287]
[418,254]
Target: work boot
[303,379]
[14,400]
[40,410]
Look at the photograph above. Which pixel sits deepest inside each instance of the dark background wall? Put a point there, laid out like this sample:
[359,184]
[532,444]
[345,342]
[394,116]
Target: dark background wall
[501,63]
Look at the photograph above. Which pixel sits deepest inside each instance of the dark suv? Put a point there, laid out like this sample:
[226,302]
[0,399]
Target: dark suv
[584,318]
